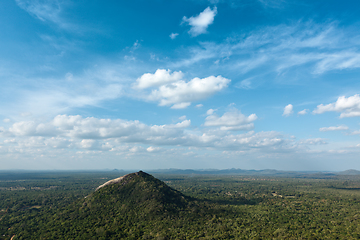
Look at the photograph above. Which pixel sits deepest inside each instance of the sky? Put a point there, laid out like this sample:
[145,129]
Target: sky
[193,84]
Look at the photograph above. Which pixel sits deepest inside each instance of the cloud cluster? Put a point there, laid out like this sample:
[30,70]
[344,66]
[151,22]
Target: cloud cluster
[76,132]
[319,48]
[233,120]
[338,128]
[348,107]
[200,23]
[76,137]
[313,141]
[173,90]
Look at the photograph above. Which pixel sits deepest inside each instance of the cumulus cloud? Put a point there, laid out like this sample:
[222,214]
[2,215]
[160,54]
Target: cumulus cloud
[348,107]
[153,149]
[303,112]
[30,128]
[76,132]
[173,35]
[313,141]
[338,128]
[200,23]
[183,124]
[89,144]
[288,110]
[199,105]
[210,111]
[58,142]
[160,77]
[180,93]
[78,127]
[136,149]
[233,120]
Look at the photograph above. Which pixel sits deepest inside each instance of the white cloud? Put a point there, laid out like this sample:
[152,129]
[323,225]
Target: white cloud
[183,124]
[173,35]
[233,120]
[200,23]
[46,11]
[319,48]
[210,111]
[136,149]
[160,77]
[58,142]
[30,128]
[181,105]
[43,10]
[6,120]
[303,112]
[338,128]
[199,105]
[288,110]
[245,84]
[88,144]
[94,128]
[23,128]
[182,93]
[313,141]
[153,149]
[76,132]
[349,107]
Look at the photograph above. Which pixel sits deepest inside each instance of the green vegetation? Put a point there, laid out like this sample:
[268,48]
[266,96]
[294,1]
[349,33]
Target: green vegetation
[66,206]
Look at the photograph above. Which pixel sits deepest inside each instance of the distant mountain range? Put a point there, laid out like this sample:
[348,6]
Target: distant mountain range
[9,174]
[265,172]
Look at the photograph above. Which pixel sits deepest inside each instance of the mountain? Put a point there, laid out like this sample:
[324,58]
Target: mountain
[140,191]
[134,206]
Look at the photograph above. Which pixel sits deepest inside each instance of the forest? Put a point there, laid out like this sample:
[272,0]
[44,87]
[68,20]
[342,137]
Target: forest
[65,205]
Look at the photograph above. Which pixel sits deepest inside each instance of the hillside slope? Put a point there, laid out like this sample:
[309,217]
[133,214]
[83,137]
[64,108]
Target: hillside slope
[136,191]
[133,206]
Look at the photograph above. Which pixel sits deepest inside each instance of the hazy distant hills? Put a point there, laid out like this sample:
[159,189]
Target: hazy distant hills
[349,172]
[265,172]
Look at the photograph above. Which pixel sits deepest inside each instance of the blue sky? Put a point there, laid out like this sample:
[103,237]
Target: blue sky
[180,84]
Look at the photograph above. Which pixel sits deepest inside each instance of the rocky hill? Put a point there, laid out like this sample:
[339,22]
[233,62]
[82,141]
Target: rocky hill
[136,191]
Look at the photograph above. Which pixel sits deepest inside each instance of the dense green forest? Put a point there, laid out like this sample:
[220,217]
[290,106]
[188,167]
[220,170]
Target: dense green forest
[65,205]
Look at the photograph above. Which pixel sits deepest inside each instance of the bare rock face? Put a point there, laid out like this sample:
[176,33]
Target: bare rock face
[120,179]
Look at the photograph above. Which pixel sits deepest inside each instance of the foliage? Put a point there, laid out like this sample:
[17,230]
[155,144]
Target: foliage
[65,206]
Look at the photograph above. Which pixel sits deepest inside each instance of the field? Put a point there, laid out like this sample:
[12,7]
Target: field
[225,207]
